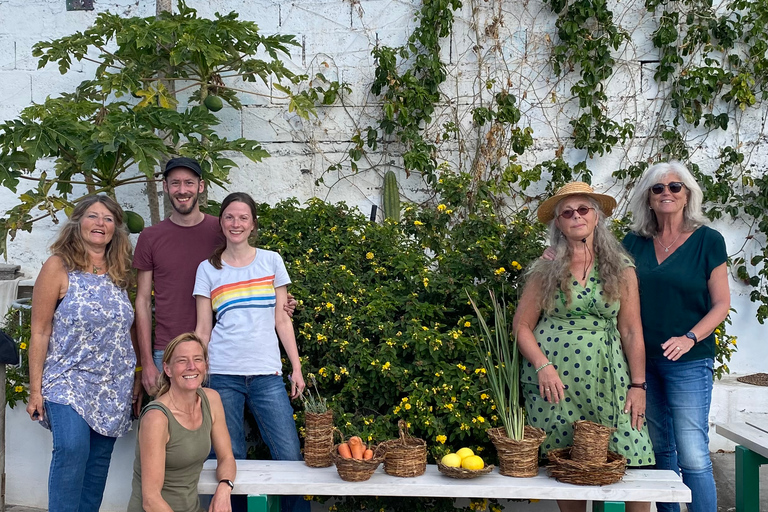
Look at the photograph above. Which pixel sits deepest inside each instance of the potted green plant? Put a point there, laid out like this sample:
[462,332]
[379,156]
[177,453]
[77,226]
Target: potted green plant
[517,443]
[318,419]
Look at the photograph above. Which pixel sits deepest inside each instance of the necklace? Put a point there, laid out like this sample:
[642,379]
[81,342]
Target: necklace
[96,269]
[667,247]
[170,395]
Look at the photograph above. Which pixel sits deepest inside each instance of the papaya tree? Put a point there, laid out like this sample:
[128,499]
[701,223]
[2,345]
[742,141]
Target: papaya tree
[116,128]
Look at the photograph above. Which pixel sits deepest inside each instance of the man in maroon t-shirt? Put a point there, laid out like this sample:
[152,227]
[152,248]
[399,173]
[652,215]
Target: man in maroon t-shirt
[167,256]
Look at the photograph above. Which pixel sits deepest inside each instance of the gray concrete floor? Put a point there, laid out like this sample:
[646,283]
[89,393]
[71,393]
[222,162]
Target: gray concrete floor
[724,468]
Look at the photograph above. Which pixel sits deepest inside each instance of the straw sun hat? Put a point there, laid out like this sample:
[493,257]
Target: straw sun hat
[546,210]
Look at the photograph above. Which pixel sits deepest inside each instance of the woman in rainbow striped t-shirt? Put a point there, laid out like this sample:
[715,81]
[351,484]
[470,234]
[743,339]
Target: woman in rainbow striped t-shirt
[246,289]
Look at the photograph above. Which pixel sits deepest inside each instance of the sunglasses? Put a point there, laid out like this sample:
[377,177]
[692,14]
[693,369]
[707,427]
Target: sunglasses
[581,210]
[674,187]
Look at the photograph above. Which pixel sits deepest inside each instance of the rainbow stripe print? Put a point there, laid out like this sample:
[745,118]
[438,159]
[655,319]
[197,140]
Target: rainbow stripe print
[254,293]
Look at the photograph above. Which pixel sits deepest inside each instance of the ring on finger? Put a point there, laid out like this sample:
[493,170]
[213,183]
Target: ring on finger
[677,348]
[641,415]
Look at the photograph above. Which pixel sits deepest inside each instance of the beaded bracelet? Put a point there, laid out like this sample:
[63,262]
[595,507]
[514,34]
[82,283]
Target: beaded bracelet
[543,366]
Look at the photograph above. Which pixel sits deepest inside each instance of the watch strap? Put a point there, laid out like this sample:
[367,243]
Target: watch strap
[641,385]
[228,482]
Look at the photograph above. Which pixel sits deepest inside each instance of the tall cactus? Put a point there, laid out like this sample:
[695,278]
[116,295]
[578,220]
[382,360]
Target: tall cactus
[391,197]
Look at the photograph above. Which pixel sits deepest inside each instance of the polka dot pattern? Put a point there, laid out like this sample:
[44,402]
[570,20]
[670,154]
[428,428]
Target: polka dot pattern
[583,343]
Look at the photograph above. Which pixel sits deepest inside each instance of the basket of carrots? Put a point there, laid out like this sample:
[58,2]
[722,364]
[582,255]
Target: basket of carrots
[355,462]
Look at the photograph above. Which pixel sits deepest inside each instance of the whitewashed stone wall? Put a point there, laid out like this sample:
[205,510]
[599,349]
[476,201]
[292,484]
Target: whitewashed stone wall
[337,37]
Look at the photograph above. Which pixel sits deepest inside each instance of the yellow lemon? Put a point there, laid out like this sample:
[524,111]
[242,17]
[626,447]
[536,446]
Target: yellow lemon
[451,460]
[464,453]
[472,462]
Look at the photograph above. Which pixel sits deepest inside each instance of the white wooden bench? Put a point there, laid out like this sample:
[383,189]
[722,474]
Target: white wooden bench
[752,452]
[261,479]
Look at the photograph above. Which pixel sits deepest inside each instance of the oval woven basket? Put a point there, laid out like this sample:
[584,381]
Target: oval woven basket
[463,473]
[518,458]
[406,456]
[319,439]
[356,470]
[564,469]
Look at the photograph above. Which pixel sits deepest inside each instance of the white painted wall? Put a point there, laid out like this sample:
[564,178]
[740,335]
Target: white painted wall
[337,38]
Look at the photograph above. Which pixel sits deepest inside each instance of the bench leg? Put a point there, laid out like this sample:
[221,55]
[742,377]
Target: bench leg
[748,479]
[608,506]
[263,503]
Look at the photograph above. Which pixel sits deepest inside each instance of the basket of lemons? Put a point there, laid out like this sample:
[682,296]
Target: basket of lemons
[463,464]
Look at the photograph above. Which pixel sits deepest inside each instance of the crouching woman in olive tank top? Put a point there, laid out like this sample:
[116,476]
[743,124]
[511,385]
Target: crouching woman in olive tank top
[176,433]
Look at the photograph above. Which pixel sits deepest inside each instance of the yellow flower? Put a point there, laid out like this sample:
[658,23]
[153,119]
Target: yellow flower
[500,270]
[484,396]
[516,265]
[323,372]
[407,407]
[23,346]
[441,207]
[418,223]
[18,389]
[369,255]
[426,282]
[405,399]
[441,439]
[343,370]
[386,366]
[467,324]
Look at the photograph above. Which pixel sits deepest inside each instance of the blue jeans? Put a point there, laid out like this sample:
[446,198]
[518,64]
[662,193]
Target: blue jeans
[678,399]
[157,357]
[268,401]
[79,464]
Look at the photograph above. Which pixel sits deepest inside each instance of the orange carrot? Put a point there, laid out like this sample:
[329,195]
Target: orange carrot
[344,451]
[356,446]
[368,454]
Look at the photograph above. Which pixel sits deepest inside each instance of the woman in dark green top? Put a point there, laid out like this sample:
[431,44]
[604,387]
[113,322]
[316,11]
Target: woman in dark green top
[175,436]
[684,296]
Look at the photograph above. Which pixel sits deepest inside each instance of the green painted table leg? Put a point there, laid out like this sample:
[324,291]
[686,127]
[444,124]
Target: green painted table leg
[263,503]
[748,479]
[608,506]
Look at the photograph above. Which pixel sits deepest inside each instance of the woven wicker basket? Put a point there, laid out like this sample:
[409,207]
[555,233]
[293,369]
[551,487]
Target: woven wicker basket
[319,439]
[356,470]
[518,458]
[590,441]
[406,456]
[461,472]
[564,469]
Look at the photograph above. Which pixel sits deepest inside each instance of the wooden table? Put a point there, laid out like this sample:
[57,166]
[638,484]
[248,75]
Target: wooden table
[751,453]
[262,480]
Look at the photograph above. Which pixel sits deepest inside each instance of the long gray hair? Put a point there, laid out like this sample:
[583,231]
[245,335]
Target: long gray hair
[644,221]
[555,275]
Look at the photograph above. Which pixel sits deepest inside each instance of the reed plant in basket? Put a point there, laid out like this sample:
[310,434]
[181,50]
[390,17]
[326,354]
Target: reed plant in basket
[318,418]
[501,360]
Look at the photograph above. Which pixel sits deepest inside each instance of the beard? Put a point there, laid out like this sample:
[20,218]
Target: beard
[186,208]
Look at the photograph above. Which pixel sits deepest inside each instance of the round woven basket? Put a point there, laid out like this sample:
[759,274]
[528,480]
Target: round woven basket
[564,469]
[356,470]
[406,456]
[518,458]
[590,441]
[461,472]
[319,439]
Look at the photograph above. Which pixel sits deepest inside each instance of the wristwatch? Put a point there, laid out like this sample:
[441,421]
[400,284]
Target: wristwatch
[643,385]
[228,482]
[692,336]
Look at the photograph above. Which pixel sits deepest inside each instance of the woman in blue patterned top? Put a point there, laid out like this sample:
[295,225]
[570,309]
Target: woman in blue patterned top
[81,359]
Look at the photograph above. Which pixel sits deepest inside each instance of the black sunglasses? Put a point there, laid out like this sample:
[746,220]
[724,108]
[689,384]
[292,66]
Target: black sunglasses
[674,187]
[582,210]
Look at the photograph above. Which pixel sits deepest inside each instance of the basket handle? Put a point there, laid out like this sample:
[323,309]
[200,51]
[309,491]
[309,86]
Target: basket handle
[402,427]
[337,431]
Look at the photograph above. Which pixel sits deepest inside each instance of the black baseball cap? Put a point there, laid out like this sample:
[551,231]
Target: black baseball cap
[187,163]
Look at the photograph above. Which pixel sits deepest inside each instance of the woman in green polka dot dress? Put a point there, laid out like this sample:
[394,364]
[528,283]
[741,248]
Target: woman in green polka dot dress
[578,328]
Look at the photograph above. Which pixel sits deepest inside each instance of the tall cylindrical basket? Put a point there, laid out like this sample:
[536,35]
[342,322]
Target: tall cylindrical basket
[319,439]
